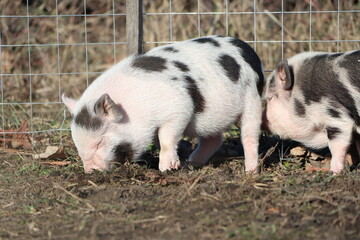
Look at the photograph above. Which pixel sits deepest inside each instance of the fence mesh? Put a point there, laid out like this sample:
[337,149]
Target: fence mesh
[51,47]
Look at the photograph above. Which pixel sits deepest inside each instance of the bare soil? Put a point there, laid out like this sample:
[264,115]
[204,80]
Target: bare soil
[136,201]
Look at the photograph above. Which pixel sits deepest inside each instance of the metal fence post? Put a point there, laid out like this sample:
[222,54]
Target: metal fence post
[134,27]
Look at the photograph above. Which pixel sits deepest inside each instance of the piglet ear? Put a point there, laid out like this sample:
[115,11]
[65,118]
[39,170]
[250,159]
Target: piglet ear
[106,107]
[284,74]
[69,102]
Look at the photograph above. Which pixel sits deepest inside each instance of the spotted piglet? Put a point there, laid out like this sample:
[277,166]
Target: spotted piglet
[314,98]
[198,87]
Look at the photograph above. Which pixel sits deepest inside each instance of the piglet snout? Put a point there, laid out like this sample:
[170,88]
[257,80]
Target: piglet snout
[90,167]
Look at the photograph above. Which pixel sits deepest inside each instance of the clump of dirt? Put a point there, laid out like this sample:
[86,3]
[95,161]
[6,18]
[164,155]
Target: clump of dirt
[136,201]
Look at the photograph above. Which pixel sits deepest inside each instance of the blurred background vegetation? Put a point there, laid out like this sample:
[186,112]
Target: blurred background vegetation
[62,40]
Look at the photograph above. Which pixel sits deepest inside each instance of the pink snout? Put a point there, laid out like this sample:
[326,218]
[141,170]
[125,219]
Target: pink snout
[89,166]
[93,161]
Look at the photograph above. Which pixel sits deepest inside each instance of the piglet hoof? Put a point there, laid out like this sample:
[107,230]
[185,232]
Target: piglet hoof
[252,171]
[168,166]
[251,168]
[175,164]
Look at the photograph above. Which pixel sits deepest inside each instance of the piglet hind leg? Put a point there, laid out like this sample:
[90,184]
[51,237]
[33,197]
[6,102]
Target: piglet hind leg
[169,136]
[206,147]
[339,143]
[249,124]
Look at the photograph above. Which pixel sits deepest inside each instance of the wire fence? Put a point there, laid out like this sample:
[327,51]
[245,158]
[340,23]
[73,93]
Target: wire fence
[51,47]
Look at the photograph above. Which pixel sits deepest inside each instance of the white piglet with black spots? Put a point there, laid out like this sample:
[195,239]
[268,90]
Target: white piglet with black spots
[314,98]
[198,87]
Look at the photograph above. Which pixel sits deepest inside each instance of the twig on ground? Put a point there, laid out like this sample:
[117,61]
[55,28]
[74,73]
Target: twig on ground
[150,219]
[92,208]
[195,182]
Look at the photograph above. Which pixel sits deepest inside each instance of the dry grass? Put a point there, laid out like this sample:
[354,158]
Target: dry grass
[46,57]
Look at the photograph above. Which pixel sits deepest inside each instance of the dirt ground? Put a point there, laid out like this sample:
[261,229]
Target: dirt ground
[136,201]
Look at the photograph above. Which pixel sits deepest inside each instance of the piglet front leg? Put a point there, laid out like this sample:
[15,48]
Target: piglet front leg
[169,136]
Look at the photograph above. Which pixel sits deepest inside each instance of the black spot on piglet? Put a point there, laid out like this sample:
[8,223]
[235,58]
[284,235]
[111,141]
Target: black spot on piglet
[231,67]
[183,67]
[207,40]
[332,132]
[195,94]
[170,49]
[351,64]
[299,108]
[123,153]
[86,120]
[333,113]
[149,63]
[320,80]
[252,59]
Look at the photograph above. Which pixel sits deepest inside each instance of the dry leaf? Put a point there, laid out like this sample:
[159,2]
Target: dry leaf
[273,210]
[312,165]
[350,159]
[353,158]
[315,169]
[298,151]
[57,163]
[316,157]
[17,138]
[52,152]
